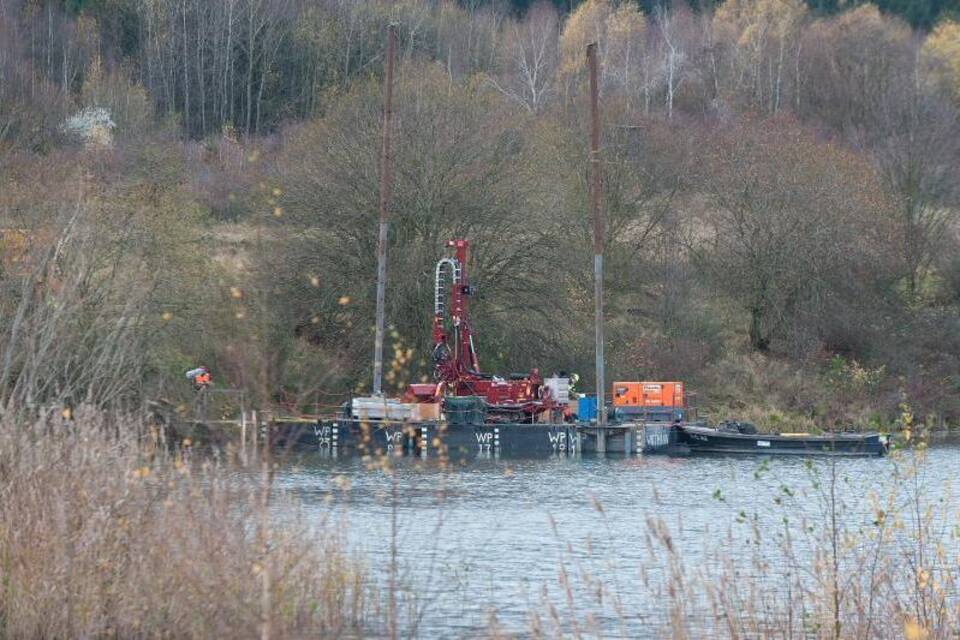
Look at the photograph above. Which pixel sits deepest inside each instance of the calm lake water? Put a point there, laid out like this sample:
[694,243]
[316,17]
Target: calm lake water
[521,543]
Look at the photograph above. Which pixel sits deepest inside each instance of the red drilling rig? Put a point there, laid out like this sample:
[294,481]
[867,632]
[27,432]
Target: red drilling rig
[456,368]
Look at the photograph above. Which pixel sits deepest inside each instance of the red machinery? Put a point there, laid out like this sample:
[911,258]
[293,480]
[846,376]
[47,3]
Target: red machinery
[456,368]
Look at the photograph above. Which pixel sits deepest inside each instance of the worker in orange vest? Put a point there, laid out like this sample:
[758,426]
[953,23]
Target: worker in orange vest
[200,377]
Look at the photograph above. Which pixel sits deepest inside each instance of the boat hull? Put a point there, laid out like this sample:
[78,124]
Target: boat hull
[706,440]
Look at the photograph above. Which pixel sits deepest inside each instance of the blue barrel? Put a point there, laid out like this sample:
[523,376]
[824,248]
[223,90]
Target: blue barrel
[587,408]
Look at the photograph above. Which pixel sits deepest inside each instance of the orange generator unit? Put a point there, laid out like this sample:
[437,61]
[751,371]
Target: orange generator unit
[648,394]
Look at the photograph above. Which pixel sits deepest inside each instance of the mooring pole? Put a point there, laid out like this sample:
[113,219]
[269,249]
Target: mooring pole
[598,235]
[384,210]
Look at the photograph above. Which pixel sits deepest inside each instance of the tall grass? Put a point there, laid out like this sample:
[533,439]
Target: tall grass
[881,565]
[104,532]
[884,564]
[107,532]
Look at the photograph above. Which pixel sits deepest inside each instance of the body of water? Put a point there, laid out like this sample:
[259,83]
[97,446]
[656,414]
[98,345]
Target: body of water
[570,543]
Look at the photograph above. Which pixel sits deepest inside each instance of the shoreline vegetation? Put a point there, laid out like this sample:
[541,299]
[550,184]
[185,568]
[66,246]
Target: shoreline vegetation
[106,531]
[782,210]
[196,183]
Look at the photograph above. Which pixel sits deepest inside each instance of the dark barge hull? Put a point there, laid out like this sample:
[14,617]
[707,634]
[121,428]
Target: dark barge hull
[713,441]
[456,441]
[460,441]
[463,441]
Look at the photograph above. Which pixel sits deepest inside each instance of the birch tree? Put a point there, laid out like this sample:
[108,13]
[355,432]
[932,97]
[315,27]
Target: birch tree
[941,51]
[628,58]
[673,55]
[588,24]
[763,38]
[530,58]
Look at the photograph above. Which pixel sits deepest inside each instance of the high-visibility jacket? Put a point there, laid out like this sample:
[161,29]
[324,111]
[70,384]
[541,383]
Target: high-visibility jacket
[202,379]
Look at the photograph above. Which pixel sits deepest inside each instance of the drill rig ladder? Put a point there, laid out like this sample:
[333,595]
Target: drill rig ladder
[441,285]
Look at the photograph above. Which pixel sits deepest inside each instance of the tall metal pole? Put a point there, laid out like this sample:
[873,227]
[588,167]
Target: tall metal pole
[598,228]
[384,211]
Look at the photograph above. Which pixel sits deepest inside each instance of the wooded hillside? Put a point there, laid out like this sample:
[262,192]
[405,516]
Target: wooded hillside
[190,182]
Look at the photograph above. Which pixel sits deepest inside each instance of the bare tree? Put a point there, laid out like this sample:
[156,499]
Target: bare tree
[458,174]
[791,224]
[77,334]
[529,56]
[673,55]
[916,142]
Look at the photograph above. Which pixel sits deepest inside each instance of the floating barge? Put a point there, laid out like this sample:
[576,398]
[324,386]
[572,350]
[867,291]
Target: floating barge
[350,436]
[466,413]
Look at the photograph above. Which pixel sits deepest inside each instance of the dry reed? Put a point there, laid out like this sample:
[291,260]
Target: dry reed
[104,534]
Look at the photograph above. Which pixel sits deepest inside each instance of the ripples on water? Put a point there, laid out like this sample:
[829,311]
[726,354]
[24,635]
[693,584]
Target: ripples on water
[492,537]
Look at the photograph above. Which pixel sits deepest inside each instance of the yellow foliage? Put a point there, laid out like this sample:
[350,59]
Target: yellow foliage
[752,24]
[913,631]
[865,24]
[942,52]
[586,25]
[619,34]
[626,30]
[626,22]
[761,34]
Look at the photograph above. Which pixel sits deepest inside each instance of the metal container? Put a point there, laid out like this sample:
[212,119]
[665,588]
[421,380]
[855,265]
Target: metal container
[587,408]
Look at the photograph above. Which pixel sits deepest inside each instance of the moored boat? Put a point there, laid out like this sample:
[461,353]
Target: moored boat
[740,438]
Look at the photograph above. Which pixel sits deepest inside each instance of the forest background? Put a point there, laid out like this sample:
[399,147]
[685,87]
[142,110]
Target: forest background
[191,182]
